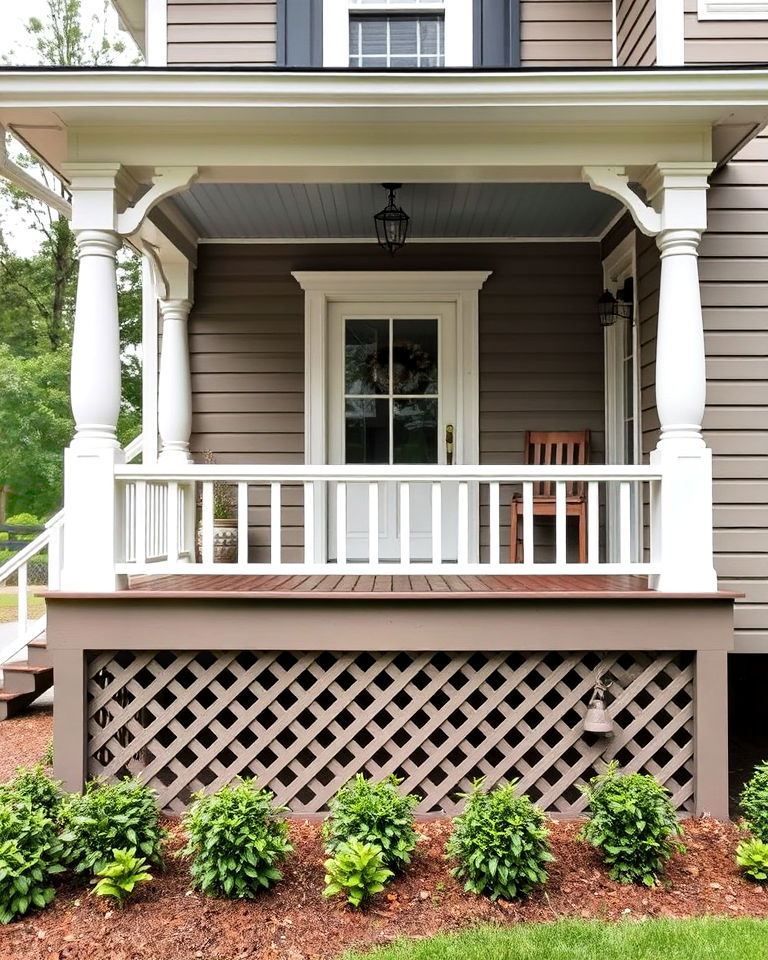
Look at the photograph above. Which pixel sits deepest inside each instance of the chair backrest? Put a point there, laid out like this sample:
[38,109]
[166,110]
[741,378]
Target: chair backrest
[556,448]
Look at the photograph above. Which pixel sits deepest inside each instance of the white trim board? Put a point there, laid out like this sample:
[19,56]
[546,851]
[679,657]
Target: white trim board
[670,33]
[733,9]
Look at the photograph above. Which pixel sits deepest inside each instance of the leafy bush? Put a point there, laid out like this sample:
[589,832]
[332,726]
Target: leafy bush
[108,817]
[754,802]
[30,854]
[375,813]
[121,875]
[34,784]
[237,836]
[752,857]
[632,821]
[501,843]
[357,870]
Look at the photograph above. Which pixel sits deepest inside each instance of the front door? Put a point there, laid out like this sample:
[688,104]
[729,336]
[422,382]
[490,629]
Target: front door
[392,400]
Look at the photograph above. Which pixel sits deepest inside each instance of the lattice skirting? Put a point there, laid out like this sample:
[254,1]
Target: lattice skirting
[306,722]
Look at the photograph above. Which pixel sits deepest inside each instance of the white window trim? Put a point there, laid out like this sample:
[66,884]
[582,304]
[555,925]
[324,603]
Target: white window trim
[733,10]
[458,28]
[670,33]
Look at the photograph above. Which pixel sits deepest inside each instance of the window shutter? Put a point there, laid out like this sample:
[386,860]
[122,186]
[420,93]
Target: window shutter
[497,33]
[299,33]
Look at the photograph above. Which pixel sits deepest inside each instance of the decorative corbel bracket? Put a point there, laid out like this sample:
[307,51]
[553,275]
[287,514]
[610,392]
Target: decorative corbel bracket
[614,182]
[156,265]
[166,182]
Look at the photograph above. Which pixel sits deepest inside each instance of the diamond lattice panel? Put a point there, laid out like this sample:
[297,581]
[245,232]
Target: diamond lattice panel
[303,723]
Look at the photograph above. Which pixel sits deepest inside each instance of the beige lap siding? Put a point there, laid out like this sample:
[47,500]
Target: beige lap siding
[228,33]
[724,41]
[636,33]
[541,365]
[565,32]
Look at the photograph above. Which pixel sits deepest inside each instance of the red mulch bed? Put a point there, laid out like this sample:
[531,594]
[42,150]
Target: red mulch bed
[166,921]
[23,740]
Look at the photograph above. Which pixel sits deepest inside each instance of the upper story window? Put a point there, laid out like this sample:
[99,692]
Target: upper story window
[733,9]
[393,34]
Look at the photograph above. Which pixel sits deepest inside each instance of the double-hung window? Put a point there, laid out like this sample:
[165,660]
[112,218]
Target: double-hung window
[397,34]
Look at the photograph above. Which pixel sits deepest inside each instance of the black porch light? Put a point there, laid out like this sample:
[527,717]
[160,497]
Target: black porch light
[621,307]
[391,222]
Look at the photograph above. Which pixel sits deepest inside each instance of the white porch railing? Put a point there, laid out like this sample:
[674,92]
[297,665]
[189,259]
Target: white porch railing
[162,512]
[50,541]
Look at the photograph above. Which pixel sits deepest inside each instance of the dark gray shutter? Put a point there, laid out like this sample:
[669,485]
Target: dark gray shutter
[497,33]
[299,33]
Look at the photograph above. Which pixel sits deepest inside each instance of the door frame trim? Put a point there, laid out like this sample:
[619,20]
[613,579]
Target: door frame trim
[321,288]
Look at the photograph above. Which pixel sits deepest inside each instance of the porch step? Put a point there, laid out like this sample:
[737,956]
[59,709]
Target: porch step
[38,654]
[13,703]
[21,677]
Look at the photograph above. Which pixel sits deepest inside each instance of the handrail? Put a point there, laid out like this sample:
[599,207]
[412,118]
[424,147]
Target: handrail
[30,630]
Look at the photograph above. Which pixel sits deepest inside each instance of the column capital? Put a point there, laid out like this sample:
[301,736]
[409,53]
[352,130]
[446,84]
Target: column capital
[679,192]
[175,309]
[99,192]
[98,243]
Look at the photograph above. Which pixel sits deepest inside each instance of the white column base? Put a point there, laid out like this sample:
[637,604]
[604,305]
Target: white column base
[175,453]
[91,526]
[682,518]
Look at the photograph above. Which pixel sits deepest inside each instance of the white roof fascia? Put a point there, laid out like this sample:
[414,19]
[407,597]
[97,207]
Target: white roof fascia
[132,17]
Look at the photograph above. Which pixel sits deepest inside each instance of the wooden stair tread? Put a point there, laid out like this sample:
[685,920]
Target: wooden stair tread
[21,666]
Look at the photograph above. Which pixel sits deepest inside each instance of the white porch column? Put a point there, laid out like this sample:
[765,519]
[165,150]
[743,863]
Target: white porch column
[682,524]
[90,531]
[175,384]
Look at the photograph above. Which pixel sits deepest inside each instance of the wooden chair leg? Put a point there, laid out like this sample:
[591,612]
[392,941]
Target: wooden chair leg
[583,533]
[513,536]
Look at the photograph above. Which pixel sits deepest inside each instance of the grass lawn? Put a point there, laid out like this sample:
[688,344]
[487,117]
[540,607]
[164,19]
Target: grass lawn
[706,938]
[8,606]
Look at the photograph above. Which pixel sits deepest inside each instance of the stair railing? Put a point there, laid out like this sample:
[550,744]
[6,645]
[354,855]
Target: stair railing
[50,540]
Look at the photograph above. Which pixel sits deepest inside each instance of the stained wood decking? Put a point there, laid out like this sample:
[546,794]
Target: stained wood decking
[396,587]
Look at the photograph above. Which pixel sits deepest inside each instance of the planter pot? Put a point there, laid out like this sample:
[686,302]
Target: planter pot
[224,541]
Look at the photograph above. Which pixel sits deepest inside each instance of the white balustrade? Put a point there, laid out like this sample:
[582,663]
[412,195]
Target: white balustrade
[465,510]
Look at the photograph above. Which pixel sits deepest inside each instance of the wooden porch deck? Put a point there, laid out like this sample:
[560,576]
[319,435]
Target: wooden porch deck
[401,587]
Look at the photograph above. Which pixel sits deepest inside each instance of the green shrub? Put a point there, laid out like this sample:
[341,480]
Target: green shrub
[375,813]
[752,857]
[47,758]
[754,802]
[356,870]
[30,855]
[34,784]
[121,875]
[107,817]
[236,837]
[633,823]
[501,843]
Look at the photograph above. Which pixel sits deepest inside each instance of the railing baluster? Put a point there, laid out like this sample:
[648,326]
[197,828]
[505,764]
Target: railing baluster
[341,522]
[404,490]
[22,608]
[309,522]
[561,544]
[172,518]
[625,522]
[275,523]
[140,548]
[437,522]
[206,519]
[494,521]
[593,522]
[463,521]
[528,548]
[373,522]
[242,521]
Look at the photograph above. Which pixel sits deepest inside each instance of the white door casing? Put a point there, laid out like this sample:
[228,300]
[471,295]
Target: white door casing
[324,288]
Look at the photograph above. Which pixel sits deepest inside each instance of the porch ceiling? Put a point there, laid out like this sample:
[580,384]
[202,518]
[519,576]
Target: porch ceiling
[299,211]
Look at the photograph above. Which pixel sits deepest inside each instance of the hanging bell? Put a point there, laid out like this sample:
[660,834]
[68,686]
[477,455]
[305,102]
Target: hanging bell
[597,719]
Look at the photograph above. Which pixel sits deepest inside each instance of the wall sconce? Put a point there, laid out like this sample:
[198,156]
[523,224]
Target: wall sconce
[597,719]
[611,308]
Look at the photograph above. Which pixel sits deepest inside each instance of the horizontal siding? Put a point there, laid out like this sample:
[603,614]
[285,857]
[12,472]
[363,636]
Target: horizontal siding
[636,33]
[541,365]
[724,41]
[231,33]
[734,290]
[565,32]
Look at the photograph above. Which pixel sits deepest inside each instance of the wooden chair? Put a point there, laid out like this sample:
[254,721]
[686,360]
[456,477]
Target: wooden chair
[554,449]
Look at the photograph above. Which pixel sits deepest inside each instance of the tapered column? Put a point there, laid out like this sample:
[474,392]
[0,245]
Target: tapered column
[95,389]
[682,520]
[175,385]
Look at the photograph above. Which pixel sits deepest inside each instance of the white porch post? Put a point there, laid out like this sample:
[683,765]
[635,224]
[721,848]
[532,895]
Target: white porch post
[682,525]
[90,531]
[175,384]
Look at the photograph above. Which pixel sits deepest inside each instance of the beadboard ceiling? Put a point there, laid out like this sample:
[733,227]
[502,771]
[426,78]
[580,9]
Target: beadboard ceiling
[292,211]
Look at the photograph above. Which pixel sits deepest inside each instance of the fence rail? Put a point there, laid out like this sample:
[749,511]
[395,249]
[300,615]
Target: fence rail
[390,519]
